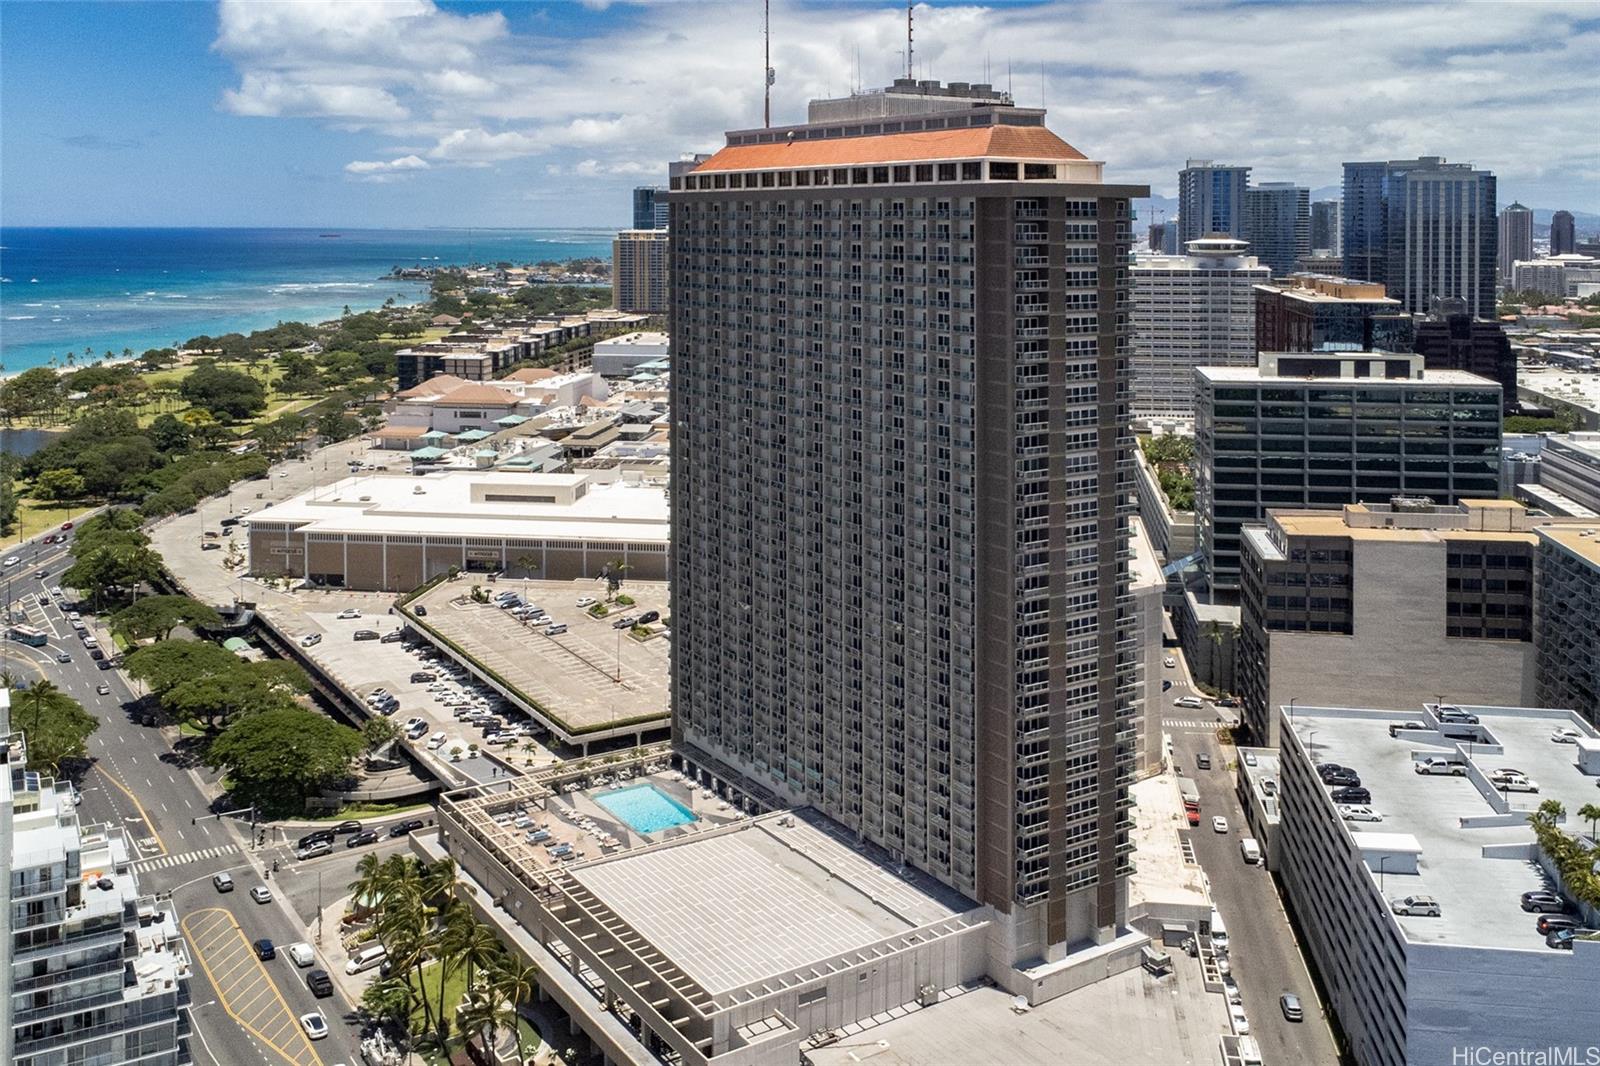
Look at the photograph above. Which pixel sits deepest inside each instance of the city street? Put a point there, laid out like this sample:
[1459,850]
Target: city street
[137,781]
[1265,956]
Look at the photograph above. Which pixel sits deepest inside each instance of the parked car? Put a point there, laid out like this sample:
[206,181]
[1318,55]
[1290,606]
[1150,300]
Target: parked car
[1219,824]
[556,630]
[1562,939]
[1516,783]
[1554,923]
[366,634]
[320,984]
[261,894]
[394,636]
[265,950]
[1566,735]
[625,622]
[1456,716]
[648,617]
[1342,779]
[349,612]
[1416,906]
[586,601]
[1351,812]
[405,828]
[1543,901]
[1352,795]
[420,676]
[1395,728]
[422,612]
[222,882]
[1193,702]
[1440,765]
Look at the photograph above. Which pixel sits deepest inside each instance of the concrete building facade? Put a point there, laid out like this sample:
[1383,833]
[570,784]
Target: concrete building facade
[621,356]
[1569,463]
[1567,618]
[1388,605]
[1516,238]
[1308,313]
[1309,429]
[639,275]
[95,972]
[1191,310]
[902,490]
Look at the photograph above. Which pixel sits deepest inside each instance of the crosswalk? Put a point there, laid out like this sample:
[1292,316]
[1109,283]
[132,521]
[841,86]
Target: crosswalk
[1189,723]
[162,862]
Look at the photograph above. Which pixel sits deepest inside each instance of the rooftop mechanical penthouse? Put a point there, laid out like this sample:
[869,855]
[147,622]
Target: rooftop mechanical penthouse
[901,465]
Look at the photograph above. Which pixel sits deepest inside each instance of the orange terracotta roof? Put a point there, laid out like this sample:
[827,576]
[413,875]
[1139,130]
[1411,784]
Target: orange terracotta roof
[432,387]
[482,395]
[402,432]
[1002,142]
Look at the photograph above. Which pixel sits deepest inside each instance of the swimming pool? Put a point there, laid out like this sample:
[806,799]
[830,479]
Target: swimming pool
[645,808]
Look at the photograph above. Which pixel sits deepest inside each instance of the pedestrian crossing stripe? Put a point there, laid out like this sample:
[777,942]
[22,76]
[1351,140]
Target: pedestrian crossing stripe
[164,861]
[1190,723]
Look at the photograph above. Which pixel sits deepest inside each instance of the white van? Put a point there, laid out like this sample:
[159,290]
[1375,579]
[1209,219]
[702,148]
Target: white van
[1219,932]
[365,959]
[1250,850]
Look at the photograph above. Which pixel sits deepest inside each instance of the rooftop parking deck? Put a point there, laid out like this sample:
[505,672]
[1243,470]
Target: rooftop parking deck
[1476,854]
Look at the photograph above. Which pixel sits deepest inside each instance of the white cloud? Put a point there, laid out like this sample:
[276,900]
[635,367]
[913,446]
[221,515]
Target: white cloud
[370,169]
[1290,89]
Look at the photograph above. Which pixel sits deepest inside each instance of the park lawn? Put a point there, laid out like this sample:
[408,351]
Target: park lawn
[368,810]
[35,517]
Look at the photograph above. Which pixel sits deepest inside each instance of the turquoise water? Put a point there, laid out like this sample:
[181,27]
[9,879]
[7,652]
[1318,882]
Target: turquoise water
[109,289]
[645,808]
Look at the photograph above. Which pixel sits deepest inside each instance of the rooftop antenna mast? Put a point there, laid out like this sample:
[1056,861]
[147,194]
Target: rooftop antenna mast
[910,5]
[769,75]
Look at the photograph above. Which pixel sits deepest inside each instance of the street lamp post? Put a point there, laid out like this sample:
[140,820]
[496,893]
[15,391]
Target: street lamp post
[319,906]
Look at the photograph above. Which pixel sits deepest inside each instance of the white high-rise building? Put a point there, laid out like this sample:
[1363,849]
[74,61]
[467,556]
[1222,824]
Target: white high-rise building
[96,973]
[1191,310]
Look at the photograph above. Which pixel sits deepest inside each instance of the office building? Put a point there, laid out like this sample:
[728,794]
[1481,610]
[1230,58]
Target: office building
[1569,465]
[1315,430]
[1558,276]
[1327,228]
[1563,234]
[639,271]
[1389,604]
[900,575]
[96,972]
[1567,618]
[1308,313]
[391,533]
[1191,310]
[1400,978]
[1329,265]
[1278,224]
[1449,338]
[1516,238]
[621,356]
[1211,200]
[1423,228]
[650,208]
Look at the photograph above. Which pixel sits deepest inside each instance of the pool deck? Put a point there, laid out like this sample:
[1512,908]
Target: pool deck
[647,804]
[576,817]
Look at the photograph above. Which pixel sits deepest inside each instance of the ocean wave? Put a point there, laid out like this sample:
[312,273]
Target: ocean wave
[33,305]
[21,318]
[58,320]
[173,296]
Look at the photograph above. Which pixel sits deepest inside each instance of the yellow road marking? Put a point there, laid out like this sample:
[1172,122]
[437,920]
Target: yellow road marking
[148,824]
[296,1058]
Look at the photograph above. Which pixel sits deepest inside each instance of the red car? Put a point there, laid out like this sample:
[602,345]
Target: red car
[66,526]
[50,538]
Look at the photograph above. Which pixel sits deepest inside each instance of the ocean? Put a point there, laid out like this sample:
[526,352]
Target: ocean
[111,289]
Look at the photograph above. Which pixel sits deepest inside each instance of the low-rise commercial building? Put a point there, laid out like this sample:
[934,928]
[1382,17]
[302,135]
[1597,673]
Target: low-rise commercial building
[620,356]
[94,971]
[392,533]
[1569,464]
[1567,618]
[1411,914]
[1389,605]
[1323,429]
[483,351]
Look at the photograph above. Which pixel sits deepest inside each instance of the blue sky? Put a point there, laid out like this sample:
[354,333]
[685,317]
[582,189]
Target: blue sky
[408,112]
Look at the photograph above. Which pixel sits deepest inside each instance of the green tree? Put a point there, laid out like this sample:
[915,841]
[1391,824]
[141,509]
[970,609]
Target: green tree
[59,484]
[8,493]
[1590,813]
[158,616]
[109,568]
[230,393]
[277,759]
[376,732]
[168,434]
[214,702]
[167,665]
[56,726]
[484,1013]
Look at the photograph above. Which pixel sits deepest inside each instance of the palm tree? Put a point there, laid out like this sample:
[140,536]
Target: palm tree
[613,575]
[1591,812]
[1550,812]
[484,1013]
[368,885]
[43,694]
[476,947]
[518,981]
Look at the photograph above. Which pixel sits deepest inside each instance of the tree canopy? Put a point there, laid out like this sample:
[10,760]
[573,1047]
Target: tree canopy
[278,758]
[230,393]
[56,725]
[158,616]
[209,687]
